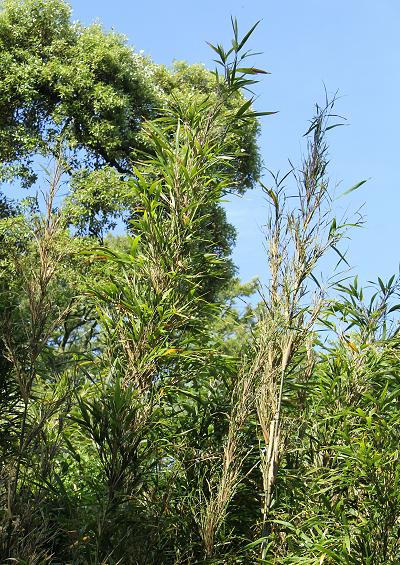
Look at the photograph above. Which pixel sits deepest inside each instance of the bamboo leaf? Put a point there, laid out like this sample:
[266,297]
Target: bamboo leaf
[247,35]
[252,71]
[354,187]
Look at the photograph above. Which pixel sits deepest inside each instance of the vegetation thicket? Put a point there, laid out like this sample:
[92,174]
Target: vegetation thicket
[146,417]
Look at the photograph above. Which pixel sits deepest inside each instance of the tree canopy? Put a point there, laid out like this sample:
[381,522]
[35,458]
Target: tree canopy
[63,81]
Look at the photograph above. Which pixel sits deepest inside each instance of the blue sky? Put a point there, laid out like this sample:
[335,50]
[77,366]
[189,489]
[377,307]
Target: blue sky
[352,46]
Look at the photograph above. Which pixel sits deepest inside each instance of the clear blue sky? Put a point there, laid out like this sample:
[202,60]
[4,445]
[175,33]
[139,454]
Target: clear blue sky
[351,45]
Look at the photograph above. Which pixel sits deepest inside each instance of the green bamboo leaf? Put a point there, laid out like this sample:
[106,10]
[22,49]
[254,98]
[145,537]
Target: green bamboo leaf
[334,126]
[313,277]
[342,257]
[247,35]
[382,285]
[252,71]
[332,229]
[259,114]
[243,108]
[354,187]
